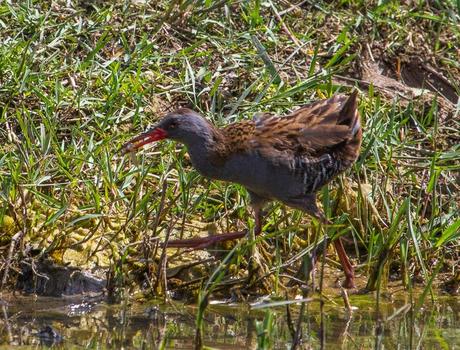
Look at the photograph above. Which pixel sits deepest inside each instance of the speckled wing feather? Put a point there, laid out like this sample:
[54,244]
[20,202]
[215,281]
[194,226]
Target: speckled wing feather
[308,133]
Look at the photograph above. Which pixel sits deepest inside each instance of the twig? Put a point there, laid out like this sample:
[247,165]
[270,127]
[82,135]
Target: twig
[211,8]
[165,17]
[321,301]
[17,237]
[163,260]
[286,29]
[14,241]
[8,325]
[346,300]
[293,7]
[298,332]
[289,320]
[155,225]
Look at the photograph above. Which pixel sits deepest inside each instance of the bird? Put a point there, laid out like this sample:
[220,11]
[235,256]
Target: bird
[276,158]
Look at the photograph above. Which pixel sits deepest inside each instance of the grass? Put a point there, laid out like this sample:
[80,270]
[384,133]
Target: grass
[78,79]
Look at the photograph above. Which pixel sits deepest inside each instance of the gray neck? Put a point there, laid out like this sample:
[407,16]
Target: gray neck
[200,149]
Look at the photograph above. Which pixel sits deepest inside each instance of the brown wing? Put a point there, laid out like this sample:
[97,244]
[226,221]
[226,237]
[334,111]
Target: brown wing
[310,130]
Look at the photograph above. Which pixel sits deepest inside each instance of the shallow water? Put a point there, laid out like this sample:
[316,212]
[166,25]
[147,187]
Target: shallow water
[89,324]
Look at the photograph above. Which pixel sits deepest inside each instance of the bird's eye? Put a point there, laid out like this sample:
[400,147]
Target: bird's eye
[172,125]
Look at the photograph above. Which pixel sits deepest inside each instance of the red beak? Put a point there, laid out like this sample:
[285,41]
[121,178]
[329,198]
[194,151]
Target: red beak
[155,134]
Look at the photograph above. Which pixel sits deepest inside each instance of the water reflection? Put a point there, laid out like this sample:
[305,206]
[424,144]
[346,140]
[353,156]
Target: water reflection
[92,324]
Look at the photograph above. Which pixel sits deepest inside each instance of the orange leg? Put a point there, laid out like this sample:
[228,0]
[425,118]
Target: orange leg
[346,264]
[312,209]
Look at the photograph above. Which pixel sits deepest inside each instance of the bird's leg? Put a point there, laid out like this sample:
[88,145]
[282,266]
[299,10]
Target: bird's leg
[204,242]
[258,218]
[312,209]
[346,264]
[257,204]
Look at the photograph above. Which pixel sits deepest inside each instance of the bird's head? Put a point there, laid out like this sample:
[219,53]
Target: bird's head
[182,125]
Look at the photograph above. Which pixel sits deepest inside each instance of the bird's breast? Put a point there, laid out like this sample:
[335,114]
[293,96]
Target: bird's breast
[258,174]
[206,168]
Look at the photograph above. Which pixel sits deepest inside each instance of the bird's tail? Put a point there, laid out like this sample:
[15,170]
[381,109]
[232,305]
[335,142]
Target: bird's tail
[348,151]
